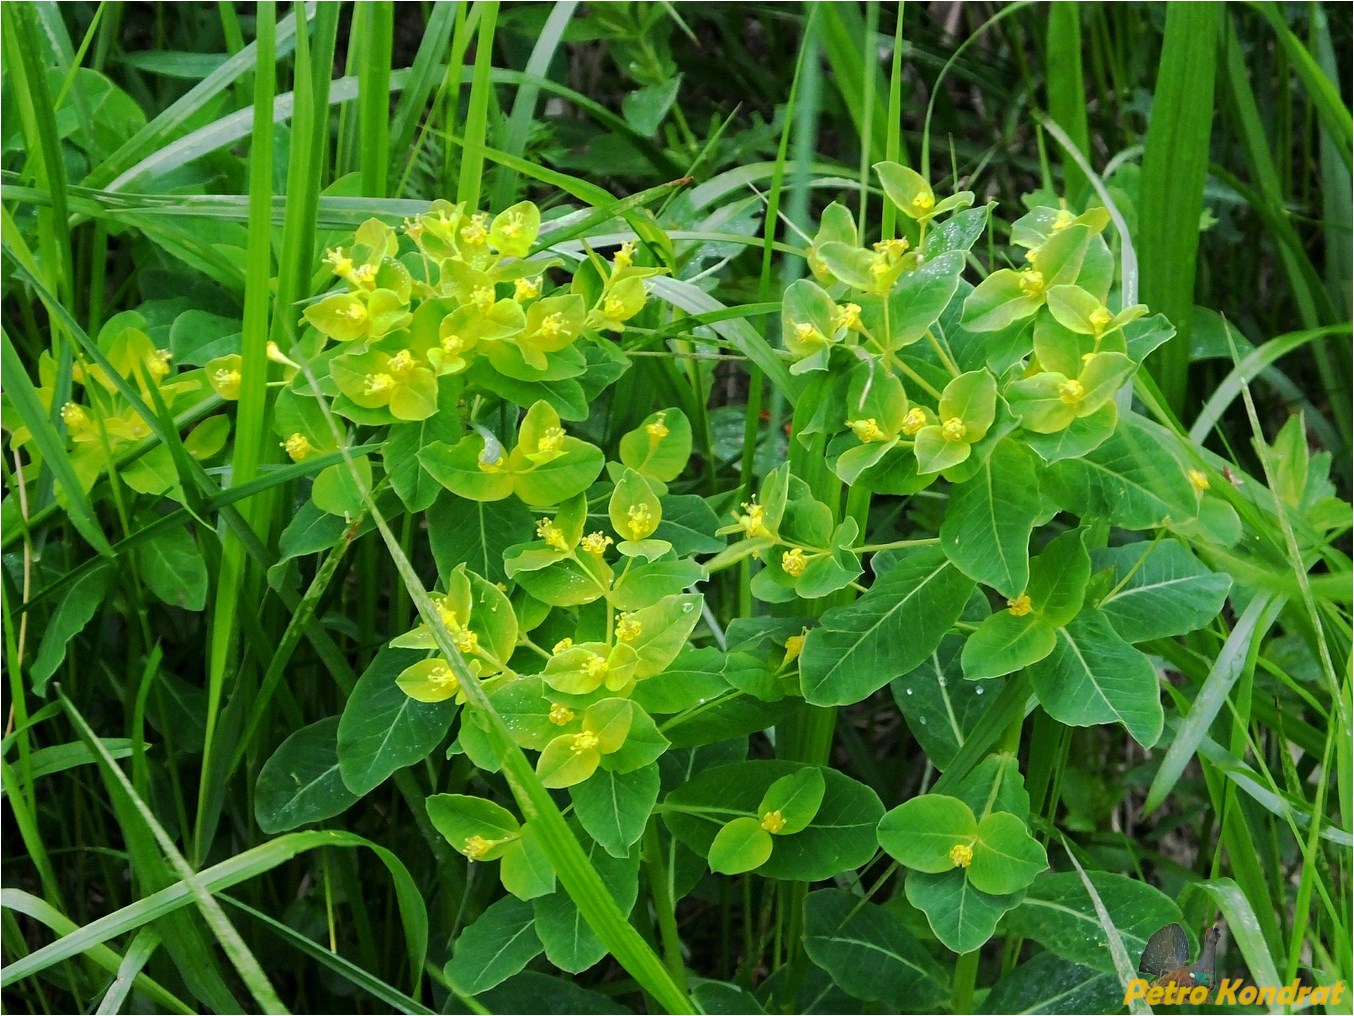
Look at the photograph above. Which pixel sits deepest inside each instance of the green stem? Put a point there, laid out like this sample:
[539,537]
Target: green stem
[663,905]
[965,977]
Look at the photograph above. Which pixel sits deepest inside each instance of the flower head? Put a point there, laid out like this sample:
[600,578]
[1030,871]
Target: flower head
[1071,392]
[641,521]
[561,645]
[867,430]
[552,535]
[954,429]
[657,430]
[597,543]
[961,854]
[476,847]
[560,714]
[753,519]
[158,363]
[628,628]
[526,289]
[584,740]
[1198,480]
[794,562]
[1031,282]
[914,421]
[1020,606]
[773,822]
[297,447]
[74,416]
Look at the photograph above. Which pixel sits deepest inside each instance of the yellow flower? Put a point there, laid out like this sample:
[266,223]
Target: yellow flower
[551,439]
[584,740]
[773,822]
[364,276]
[474,234]
[794,562]
[297,447]
[1198,480]
[597,543]
[552,535]
[560,714]
[341,264]
[158,363]
[848,316]
[1032,256]
[954,429]
[596,666]
[1071,392]
[1031,282]
[867,430]
[482,297]
[552,325]
[378,383]
[227,383]
[896,247]
[628,629]
[640,520]
[74,416]
[753,521]
[806,333]
[794,645]
[1100,319]
[465,640]
[561,645]
[476,847]
[444,678]
[914,421]
[961,854]
[923,202]
[1062,220]
[1020,606]
[657,430]
[625,255]
[526,289]
[400,364]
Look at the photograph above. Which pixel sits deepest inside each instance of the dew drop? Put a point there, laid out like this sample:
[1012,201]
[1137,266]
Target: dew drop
[688,608]
[909,691]
[978,690]
[922,719]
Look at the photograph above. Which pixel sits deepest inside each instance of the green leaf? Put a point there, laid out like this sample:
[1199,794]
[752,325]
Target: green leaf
[962,916]
[457,467]
[995,784]
[614,807]
[689,525]
[1082,435]
[1058,579]
[382,729]
[77,606]
[660,447]
[1131,481]
[869,952]
[719,998]
[562,764]
[561,478]
[906,188]
[920,833]
[643,744]
[841,835]
[644,585]
[797,797]
[335,490]
[1058,913]
[459,817]
[940,707]
[570,943]
[525,868]
[415,485]
[1006,857]
[300,782]
[645,108]
[694,677]
[1047,983]
[172,568]
[1169,593]
[475,533]
[920,297]
[741,845]
[540,993]
[986,532]
[860,647]
[664,630]
[1004,643]
[500,943]
[1093,676]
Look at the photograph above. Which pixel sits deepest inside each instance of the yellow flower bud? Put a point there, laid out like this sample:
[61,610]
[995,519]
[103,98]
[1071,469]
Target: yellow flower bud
[597,543]
[656,430]
[1031,282]
[596,666]
[641,521]
[954,429]
[482,297]
[961,854]
[561,645]
[753,521]
[914,421]
[848,317]
[1062,220]
[158,363]
[923,202]
[1020,606]
[476,847]
[526,289]
[867,430]
[1198,480]
[625,255]
[552,535]
[227,383]
[773,822]
[1100,319]
[552,438]
[584,740]
[1071,392]
[74,416]
[297,447]
[443,678]
[378,383]
[400,364]
[560,715]
[794,562]
[474,234]
[628,629]
[794,645]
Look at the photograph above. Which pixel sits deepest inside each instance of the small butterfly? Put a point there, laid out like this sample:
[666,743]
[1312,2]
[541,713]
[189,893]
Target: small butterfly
[1167,958]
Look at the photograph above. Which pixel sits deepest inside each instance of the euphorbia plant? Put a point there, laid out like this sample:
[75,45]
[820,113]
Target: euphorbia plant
[575,587]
